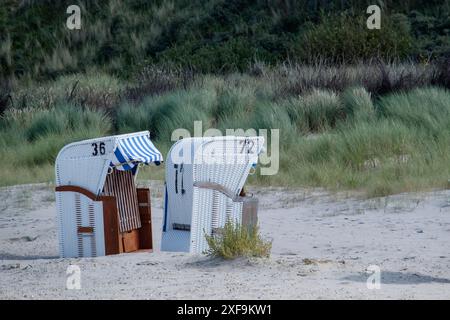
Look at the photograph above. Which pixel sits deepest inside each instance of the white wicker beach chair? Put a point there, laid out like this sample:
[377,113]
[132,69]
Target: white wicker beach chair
[204,179]
[100,210]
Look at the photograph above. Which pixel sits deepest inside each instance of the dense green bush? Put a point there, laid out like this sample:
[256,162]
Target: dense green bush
[46,123]
[121,37]
[345,38]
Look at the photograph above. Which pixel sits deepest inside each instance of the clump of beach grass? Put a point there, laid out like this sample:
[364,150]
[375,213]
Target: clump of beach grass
[235,240]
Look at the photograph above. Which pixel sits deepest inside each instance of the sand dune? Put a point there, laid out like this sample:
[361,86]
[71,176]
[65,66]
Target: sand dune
[322,245]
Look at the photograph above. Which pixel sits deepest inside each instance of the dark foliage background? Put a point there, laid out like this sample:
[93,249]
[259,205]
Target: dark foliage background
[213,36]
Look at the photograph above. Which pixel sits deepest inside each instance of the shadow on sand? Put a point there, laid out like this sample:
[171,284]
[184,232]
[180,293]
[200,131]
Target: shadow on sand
[392,277]
[8,256]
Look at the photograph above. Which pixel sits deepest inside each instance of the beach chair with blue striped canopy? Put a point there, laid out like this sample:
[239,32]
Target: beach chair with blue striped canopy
[100,210]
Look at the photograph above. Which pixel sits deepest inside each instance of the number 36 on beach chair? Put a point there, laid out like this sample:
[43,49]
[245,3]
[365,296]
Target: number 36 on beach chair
[100,210]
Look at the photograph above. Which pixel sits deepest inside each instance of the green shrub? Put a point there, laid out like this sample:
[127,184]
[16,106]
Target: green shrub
[130,118]
[46,123]
[163,114]
[43,151]
[270,115]
[180,110]
[120,37]
[235,240]
[234,102]
[34,138]
[241,108]
[63,119]
[345,38]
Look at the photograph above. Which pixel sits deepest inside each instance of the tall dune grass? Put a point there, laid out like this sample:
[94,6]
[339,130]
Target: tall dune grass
[30,141]
[348,138]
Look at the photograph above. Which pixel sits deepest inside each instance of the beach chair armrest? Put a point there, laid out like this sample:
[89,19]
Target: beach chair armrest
[218,187]
[110,216]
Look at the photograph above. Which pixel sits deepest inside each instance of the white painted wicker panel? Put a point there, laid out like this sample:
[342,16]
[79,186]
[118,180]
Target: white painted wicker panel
[67,224]
[74,210]
[76,174]
[201,219]
[223,160]
[76,165]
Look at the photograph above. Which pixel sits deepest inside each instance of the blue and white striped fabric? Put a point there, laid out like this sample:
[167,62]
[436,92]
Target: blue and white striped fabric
[131,151]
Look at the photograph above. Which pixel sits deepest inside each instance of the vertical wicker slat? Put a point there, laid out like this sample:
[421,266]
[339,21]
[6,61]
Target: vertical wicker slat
[121,185]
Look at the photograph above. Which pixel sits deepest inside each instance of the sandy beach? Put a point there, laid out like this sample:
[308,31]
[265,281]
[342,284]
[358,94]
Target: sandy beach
[323,244]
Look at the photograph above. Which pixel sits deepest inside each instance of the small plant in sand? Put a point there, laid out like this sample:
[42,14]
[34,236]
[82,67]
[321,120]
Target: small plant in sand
[235,240]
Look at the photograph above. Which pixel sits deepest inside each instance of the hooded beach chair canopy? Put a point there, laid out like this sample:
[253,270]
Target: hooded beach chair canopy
[100,209]
[132,150]
[204,178]
[86,163]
